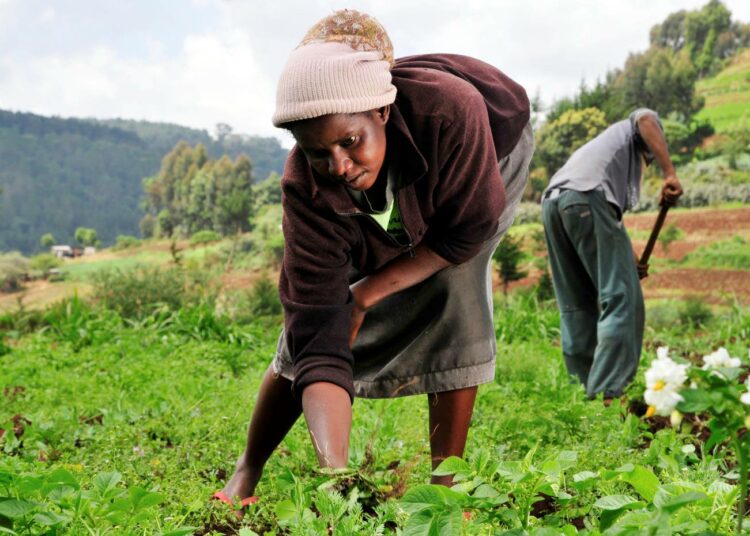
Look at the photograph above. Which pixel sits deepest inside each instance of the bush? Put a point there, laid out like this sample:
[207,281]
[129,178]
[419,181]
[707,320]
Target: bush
[528,213]
[263,299]
[694,313]
[44,262]
[204,237]
[13,271]
[137,293]
[125,242]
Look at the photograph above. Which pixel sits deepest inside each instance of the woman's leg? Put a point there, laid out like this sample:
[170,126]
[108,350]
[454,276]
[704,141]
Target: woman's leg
[450,416]
[274,414]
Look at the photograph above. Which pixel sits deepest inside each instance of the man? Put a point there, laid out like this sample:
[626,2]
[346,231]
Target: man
[595,278]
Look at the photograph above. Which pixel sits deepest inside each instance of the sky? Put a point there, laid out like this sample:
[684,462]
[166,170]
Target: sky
[202,62]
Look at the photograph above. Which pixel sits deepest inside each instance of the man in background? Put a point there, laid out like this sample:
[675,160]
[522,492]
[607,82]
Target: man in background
[594,273]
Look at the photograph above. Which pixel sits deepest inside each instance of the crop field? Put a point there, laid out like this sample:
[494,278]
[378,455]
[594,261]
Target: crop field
[116,419]
[727,94]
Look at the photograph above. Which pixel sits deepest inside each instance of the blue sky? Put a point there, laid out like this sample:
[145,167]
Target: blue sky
[200,62]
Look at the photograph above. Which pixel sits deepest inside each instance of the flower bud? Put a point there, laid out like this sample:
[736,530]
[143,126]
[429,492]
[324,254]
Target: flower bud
[675,418]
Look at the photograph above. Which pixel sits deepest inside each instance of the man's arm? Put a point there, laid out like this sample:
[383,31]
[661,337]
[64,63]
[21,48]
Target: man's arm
[652,134]
[403,272]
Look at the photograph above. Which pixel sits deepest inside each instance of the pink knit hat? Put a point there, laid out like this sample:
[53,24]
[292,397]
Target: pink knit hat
[341,66]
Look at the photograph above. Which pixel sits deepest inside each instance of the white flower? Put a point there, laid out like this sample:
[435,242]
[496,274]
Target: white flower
[663,399]
[665,372]
[663,381]
[720,359]
[745,397]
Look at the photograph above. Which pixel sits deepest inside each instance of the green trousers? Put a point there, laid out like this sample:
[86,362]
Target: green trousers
[597,289]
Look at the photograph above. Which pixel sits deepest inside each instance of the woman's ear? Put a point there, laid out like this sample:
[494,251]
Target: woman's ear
[384,113]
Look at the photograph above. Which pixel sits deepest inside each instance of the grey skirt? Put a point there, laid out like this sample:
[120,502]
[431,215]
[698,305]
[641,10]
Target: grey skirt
[439,334]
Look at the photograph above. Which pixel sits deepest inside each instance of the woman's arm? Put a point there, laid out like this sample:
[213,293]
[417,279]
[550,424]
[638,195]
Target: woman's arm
[403,272]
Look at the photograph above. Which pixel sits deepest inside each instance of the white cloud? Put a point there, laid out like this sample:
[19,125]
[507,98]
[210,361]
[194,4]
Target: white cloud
[219,60]
[214,79]
[48,15]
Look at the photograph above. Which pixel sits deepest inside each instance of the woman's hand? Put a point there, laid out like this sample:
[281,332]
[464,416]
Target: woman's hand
[402,272]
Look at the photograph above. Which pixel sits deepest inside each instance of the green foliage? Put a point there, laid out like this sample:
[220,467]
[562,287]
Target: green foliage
[44,262]
[87,237]
[669,235]
[13,269]
[729,254]
[661,80]
[47,240]
[263,298]
[147,225]
[695,313]
[193,193]
[140,292]
[53,500]
[60,173]
[268,191]
[558,139]
[126,242]
[268,236]
[204,237]
[508,257]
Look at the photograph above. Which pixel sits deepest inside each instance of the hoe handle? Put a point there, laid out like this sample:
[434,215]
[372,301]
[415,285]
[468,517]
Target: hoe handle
[654,235]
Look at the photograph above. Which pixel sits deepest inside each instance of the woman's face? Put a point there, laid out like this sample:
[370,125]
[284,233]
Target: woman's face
[346,148]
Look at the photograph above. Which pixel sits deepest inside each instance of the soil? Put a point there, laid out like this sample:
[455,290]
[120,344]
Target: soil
[700,227]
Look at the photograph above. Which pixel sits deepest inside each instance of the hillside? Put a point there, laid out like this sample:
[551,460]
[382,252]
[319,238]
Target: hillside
[59,174]
[727,94]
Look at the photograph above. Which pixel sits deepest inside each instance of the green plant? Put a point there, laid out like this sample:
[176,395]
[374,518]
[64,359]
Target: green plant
[263,298]
[47,240]
[13,269]
[694,313]
[204,237]
[508,256]
[142,291]
[44,262]
[714,390]
[669,235]
[54,501]
[126,242]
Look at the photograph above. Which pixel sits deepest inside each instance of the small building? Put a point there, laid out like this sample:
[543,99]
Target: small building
[62,251]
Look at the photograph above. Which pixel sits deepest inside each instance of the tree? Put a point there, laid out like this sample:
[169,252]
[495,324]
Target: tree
[508,256]
[659,79]
[147,226]
[558,139]
[87,237]
[47,240]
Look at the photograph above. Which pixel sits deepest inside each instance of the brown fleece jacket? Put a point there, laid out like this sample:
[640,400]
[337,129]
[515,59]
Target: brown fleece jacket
[454,118]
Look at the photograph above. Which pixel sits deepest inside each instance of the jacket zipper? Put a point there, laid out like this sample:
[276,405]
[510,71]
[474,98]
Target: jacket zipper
[409,246]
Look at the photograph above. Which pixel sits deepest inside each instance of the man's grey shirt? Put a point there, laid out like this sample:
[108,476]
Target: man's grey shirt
[611,161]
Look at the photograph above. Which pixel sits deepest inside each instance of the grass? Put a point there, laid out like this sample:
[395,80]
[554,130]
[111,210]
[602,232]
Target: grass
[729,254]
[166,409]
[727,94]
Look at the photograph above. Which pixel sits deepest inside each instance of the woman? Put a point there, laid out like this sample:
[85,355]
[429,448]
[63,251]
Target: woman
[393,204]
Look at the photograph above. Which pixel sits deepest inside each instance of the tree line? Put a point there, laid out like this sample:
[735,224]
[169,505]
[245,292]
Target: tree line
[685,47]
